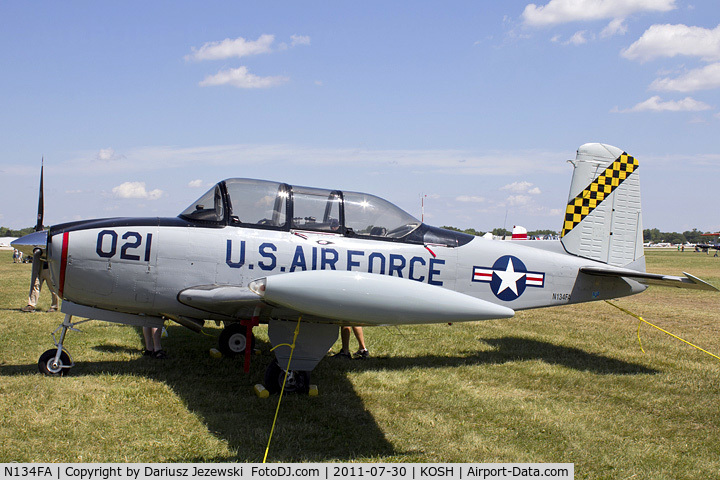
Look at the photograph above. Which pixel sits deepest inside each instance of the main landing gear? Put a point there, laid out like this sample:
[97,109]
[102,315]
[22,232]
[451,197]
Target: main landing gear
[57,361]
[233,340]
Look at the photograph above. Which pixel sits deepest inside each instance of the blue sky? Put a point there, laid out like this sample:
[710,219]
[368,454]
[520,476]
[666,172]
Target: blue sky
[138,107]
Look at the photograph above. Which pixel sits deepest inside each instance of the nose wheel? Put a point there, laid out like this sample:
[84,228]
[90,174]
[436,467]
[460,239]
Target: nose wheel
[298,381]
[57,362]
[54,365]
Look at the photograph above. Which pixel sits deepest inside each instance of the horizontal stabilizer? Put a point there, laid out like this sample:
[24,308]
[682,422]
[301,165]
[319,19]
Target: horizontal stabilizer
[688,281]
[371,299]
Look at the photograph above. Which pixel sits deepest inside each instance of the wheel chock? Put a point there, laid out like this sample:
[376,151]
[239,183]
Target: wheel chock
[261,391]
[313,391]
[215,353]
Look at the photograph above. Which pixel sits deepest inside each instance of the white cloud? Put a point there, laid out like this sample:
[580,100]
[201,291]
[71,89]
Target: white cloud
[196,184]
[577,39]
[438,161]
[241,78]
[616,27]
[672,40]
[470,199]
[705,78]
[136,190]
[564,11]
[299,40]
[521,187]
[228,48]
[106,154]
[518,200]
[655,104]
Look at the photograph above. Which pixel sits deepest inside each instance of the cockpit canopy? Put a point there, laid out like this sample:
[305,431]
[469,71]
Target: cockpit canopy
[278,206]
[259,203]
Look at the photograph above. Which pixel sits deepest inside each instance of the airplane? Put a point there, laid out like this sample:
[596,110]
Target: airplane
[705,247]
[306,261]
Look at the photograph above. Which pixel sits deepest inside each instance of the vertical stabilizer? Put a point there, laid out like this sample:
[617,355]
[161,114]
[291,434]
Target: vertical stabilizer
[603,221]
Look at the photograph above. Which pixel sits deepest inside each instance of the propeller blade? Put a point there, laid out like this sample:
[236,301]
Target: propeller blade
[41,204]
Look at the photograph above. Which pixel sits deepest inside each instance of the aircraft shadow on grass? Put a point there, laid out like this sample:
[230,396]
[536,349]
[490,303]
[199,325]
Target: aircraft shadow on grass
[514,349]
[333,426]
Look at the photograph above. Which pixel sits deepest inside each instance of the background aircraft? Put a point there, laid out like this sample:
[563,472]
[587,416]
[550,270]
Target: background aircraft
[705,247]
[308,260]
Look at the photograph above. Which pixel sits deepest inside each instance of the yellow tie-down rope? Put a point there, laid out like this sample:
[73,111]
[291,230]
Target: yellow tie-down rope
[277,410]
[664,331]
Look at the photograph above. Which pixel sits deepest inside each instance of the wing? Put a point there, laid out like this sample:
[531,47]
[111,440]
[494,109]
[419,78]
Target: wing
[688,281]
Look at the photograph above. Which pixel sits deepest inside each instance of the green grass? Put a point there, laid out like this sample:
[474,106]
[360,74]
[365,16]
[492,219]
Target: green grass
[567,384]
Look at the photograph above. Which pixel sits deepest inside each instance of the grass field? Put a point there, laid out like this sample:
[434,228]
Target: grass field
[567,384]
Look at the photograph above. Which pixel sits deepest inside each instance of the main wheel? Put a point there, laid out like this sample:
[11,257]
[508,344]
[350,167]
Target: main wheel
[297,381]
[232,340]
[47,365]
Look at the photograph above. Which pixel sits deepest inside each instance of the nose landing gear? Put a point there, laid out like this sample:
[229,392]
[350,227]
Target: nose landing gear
[57,361]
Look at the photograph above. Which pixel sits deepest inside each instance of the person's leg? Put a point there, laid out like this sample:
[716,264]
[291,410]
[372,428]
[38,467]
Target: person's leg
[362,351]
[358,331]
[45,276]
[345,339]
[157,339]
[34,288]
[148,337]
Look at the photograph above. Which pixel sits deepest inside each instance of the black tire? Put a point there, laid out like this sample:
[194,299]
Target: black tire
[232,340]
[298,381]
[45,363]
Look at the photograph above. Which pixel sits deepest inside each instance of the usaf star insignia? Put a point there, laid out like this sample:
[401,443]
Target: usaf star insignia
[508,277]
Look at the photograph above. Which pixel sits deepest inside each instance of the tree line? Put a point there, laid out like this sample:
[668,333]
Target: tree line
[652,235]
[7,232]
[501,232]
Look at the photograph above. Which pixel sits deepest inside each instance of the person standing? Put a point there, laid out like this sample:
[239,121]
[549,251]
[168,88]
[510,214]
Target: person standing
[345,339]
[153,346]
[40,274]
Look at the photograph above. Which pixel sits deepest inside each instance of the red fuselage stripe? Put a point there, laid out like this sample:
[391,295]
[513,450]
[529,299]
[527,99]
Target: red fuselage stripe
[63,262]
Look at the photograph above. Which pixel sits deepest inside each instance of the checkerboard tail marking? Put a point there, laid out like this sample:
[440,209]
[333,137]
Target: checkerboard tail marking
[600,188]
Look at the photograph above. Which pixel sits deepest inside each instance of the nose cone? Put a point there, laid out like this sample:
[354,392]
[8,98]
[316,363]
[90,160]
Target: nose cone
[31,242]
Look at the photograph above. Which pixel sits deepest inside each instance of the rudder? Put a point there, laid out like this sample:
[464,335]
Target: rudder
[603,218]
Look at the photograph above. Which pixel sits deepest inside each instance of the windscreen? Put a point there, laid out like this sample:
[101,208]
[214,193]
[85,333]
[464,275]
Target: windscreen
[208,208]
[372,216]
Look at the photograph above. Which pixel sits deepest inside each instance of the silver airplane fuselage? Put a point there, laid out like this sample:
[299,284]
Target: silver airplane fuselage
[139,267]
